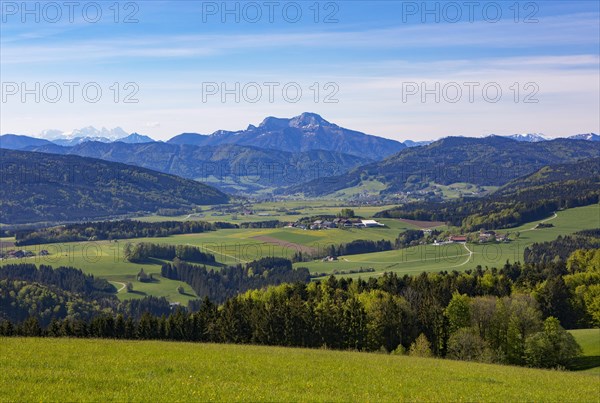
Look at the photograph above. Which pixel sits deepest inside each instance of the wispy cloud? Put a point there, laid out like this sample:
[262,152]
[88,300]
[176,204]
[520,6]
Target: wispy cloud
[554,32]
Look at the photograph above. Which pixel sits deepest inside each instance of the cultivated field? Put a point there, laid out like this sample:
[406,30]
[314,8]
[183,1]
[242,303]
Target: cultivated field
[108,370]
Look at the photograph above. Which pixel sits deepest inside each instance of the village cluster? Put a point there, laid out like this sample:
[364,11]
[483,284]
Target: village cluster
[335,223]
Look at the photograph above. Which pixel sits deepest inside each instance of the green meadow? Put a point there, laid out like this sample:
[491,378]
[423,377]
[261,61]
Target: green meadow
[109,370]
[589,340]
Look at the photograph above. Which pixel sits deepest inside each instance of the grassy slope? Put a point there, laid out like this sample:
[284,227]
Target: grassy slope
[589,340]
[101,370]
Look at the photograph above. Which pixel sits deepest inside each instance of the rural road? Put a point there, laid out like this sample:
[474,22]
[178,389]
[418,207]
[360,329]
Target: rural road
[468,259]
[123,285]
[541,222]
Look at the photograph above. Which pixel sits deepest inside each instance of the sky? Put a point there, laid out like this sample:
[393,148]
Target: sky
[395,69]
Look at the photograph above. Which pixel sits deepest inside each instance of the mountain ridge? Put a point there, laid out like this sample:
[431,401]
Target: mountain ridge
[489,161]
[230,167]
[305,132]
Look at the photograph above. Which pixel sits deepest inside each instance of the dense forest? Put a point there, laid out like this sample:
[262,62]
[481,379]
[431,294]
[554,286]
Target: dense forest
[508,315]
[142,251]
[524,200]
[38,187]
[220,284]
[65,278]
[562,247]
[109,230]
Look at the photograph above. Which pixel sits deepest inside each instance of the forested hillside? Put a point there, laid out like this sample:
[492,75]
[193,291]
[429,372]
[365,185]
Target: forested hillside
[525,199]
[39,187]
[229,167]
[491,161]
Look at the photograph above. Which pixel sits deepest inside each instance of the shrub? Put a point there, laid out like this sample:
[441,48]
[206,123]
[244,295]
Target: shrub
[552,347]
[420,347]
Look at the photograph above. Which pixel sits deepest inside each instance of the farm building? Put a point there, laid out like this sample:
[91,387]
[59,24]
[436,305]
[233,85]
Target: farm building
[372,223]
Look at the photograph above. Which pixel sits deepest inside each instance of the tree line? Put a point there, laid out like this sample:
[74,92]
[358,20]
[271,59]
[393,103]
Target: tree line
[562,247]
[109,230]
[220,284]
[65,278]
[140,252]
[347,314]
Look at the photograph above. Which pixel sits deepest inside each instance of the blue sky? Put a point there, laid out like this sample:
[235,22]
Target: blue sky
[374,58]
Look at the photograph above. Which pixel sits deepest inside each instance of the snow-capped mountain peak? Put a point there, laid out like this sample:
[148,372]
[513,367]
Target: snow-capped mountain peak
[91,131]
[585,136]
[528,137]
[86,132]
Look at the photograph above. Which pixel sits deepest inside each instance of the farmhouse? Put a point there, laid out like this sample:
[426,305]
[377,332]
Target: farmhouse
[458,238]
[371,223]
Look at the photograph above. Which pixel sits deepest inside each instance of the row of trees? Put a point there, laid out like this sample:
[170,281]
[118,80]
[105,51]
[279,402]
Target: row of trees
[342,316]
[262,224]
[359,246]
[142,251]
[108,230]
[507,330]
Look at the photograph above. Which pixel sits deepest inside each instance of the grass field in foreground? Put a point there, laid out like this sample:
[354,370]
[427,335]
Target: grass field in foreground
[589,340]
[102,370]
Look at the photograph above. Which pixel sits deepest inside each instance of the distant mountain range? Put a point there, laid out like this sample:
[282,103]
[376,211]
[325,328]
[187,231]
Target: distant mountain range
[537,137]
[529,137]
[586,136]
[86,132]
[280,152]
[305,132]
[230,167]
[39,187]
[20,142]
[490,161]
